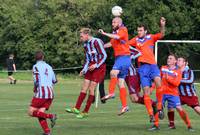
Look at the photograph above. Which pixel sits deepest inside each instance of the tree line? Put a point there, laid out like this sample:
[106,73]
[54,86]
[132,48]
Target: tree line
[53,26]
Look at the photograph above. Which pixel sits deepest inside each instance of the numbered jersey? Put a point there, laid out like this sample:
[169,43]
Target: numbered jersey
[44,78]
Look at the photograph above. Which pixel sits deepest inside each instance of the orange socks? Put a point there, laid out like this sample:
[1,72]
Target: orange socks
[185,117]
[148,104]
[159,98]
[123,97]
[156,123]
[112,85]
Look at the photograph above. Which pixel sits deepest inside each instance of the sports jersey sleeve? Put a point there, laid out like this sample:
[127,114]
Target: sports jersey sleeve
[175,80]
[99,47]
[54,78]
[134,52]
[157,36]
[35,78]
[86,64]
[189,79]
[122,33]
[132,42]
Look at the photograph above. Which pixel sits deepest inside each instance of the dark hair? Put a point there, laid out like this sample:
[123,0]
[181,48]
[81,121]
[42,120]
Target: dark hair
[39,55]
[174,55]
[184,58]
[143,25]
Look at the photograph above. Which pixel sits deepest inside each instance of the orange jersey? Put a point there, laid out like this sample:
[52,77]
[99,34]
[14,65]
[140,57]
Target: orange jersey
[146,47]
[171,79]
[120,46]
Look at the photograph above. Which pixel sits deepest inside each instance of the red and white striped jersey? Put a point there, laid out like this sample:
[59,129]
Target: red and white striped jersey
[44,78]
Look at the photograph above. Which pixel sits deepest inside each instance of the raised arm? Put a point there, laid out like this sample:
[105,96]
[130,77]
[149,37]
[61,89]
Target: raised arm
[162,25]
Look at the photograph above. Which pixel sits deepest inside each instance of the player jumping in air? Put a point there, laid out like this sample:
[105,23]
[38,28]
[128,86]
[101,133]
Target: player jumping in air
[148,69]
[119,42]
[94,70]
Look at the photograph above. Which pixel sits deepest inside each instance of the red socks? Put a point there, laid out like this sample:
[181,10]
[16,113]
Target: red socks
[89,102]
[44,125]
[80,100]
[171,118]
[42,115]
[123,97]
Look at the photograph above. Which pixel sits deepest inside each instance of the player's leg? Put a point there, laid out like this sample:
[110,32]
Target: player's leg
[43,123]
[124,69]
[192,101]
[156,115]
[81,97]
[177,103]
[184,117]
[91,96]
[144,71]
[112,84]
[11,78]
[90,99]
[114,78]
[197,109]
[170,115]
[36,104]
[102,91]
[40,113]
[123,96]
[155,74]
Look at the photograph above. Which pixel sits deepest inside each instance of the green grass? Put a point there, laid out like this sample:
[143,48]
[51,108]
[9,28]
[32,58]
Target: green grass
[15,99]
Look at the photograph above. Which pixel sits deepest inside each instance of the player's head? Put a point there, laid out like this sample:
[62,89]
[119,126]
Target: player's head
[85,34]
[141,30]
[11,56]
[182,62]
[116,23]
[39,55]
[171,60]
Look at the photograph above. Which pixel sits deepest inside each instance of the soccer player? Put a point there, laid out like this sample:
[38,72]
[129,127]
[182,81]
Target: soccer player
[187,90]
[148,69]
[44,79]
[171,78]
[11,67]
[94,70]
[133,82]
[119,40]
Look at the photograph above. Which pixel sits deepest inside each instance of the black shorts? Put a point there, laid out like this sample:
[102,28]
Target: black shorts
[10,73]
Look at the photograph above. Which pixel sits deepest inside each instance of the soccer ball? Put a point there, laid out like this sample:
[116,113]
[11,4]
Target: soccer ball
[117,11]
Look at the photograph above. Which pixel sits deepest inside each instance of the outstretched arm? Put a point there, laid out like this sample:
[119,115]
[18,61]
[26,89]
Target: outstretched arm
[114,36]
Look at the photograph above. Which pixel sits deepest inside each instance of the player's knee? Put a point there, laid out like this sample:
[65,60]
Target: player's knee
[197,109]
[30,112]
[113,73]
[179,108]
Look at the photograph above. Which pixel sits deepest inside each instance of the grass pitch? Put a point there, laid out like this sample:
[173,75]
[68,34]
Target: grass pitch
[15,99]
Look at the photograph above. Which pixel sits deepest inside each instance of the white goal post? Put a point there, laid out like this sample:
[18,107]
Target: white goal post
[172,41]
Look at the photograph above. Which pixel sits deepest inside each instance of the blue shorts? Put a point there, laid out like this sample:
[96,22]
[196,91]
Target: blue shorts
[122,63]
[147,73]
[172,101]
